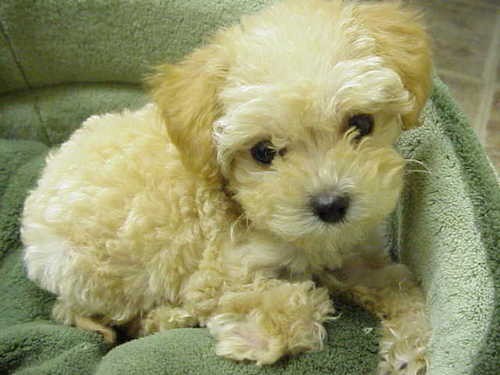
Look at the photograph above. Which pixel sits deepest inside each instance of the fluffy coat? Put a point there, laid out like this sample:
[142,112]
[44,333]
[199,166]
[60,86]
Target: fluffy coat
[162,218]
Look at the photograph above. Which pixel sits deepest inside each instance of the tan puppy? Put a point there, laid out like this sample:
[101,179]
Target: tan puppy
[265,161]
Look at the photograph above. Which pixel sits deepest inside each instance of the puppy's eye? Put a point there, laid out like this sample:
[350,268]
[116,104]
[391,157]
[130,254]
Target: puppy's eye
[363,123]
[263,152]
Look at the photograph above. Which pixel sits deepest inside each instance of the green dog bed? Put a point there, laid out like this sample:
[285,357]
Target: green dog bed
[63,60]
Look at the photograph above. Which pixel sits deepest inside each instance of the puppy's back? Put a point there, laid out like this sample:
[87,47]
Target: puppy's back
[110,202]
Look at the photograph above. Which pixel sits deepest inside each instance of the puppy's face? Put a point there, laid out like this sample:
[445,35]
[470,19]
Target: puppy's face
[297,109]
[313,161]
[309,157]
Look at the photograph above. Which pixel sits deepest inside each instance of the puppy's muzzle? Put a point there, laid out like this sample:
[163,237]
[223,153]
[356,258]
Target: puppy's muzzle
[329,207]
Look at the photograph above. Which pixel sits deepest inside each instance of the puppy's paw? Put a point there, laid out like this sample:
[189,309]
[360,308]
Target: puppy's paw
[163,318]
[108,334]
[406,365]
[241,337]
[403,350]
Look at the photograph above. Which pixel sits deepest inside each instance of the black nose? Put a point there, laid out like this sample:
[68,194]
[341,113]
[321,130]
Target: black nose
[330,208]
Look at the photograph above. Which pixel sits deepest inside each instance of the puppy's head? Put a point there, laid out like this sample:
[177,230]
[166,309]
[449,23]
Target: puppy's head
[297,109]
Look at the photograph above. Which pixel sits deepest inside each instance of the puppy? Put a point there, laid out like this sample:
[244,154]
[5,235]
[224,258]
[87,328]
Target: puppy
[265,162]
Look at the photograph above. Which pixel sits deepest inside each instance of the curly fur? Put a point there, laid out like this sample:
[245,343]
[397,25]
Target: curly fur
[161,218]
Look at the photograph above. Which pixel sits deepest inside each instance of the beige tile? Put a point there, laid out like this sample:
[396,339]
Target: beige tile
[461,32]
[493,144]
[498,63]
[492,4]
[495,107]
[498,70]
[493,132]
[467,94]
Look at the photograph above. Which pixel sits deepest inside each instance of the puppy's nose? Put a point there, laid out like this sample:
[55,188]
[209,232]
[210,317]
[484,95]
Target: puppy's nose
[330,208]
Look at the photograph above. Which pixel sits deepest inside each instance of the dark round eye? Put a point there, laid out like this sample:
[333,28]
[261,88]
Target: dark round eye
[363,124]
[263,152]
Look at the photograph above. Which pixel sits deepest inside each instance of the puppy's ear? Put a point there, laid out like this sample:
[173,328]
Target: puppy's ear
[186,95]
[401,39]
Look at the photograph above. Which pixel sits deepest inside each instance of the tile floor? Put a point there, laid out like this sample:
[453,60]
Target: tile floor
[466,36]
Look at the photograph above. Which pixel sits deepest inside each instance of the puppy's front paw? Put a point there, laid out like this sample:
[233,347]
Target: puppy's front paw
[241,337]
[404,364]
[403,349]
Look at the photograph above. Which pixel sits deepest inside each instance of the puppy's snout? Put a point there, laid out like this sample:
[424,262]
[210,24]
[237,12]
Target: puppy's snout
[330,208]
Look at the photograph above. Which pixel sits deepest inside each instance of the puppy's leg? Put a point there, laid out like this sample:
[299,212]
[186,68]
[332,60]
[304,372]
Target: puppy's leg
[163,318]
[62,313]
[390,292]
[268,319]
[89,324]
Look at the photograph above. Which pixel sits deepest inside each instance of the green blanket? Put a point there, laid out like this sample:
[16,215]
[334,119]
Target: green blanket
[61,61]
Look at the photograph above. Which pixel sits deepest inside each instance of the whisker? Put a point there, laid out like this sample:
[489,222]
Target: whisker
[408,171]
[421,163]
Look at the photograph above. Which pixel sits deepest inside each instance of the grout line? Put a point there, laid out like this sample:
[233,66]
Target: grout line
[490,64]
[489,78]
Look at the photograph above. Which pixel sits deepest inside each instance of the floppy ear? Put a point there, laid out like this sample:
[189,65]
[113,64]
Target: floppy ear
[186,95]
[401,39]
